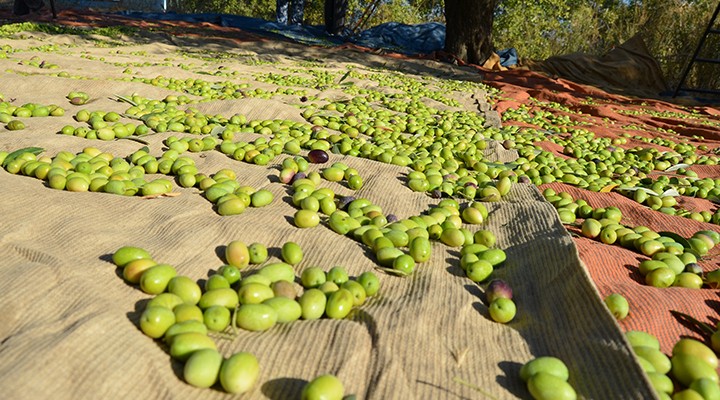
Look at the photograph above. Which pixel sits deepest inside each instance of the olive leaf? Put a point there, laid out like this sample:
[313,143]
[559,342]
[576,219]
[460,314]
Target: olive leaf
[17,153]
[608,188]
[636,188]
[670,192]
[391,271]
[501,165]
[147,116]
[137,139]
[344,76]
[217,131]
[701,326]
[677,167]
[674,236]
[125,99]
[135,117]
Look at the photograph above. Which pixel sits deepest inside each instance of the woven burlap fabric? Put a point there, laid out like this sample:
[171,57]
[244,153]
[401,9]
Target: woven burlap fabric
[69,324]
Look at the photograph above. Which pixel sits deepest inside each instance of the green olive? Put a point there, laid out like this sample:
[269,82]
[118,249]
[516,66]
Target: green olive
[323,387]
[184,344]
[133,270]
[256,317]
[237,254]
[696,348]
[618,305]
[671,261]
[640,338]
[216,281]
[591,228]
[687,368]
[479,271]
[484,237]
[184,327]
[647,266]
[155,279]
[420,249]
[306,219]
[452,237]
[544,386]
[15,125]
[202,369]
[216,318]
[186,288]
[547,364]
[156,320]
[357,290]
[167,300]
[333,174]
[291,253]
[355,182]
[126,254]
[231,207]
[279,271]
[261,198]
[287,310]
[187,312]
[369,282]
[312,302]
[258,253]
[706,387]
[404,263]
[661,278]
[254,293]
[494,256]
[225,297]
[231,273]
[312,277]
[661,382]
[239,372]
[502,310]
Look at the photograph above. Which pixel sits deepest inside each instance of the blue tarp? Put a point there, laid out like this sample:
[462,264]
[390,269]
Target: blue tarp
[307,34]
[508,57]
[402,38]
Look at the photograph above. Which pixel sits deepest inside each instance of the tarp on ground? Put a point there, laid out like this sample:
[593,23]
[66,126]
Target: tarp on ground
[628,68]
[306,34]
[403,38]
[70,324]
[393,36]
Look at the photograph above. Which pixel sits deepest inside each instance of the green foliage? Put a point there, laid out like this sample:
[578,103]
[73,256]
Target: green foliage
[432,10]
[544,22]
[255,8]
[397,11]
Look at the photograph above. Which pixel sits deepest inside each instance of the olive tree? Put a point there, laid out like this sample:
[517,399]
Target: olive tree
[469,25]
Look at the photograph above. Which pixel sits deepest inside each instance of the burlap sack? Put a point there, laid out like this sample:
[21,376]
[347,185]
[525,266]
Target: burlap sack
[69,324]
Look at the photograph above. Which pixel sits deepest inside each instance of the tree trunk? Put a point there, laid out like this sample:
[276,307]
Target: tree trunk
[468,32]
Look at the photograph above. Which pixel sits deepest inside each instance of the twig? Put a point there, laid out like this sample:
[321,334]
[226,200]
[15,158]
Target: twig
[474,387]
